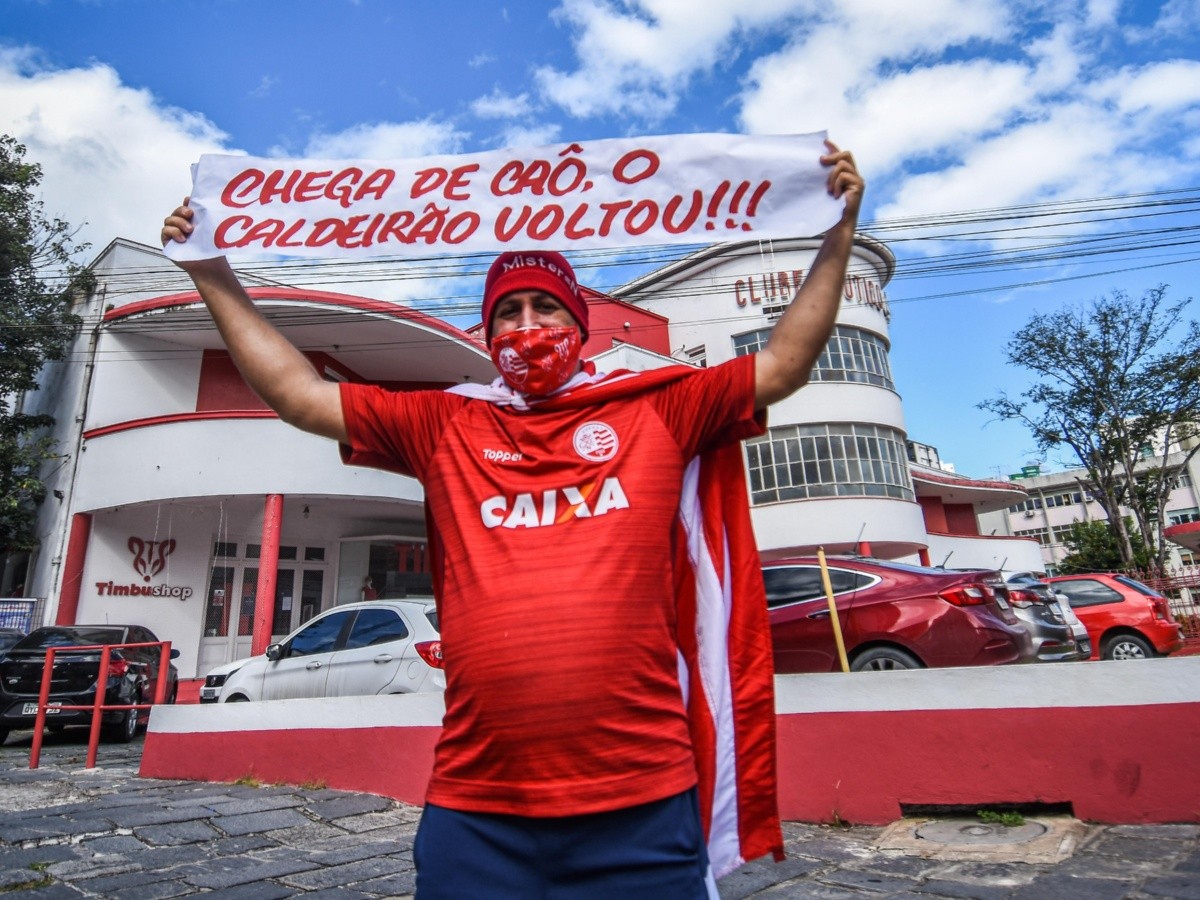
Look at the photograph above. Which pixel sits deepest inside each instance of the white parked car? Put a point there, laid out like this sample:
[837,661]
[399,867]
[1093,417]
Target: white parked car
[374,647]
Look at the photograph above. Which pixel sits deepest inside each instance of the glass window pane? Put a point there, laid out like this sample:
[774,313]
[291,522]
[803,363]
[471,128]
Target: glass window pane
[320,636]
[376,626]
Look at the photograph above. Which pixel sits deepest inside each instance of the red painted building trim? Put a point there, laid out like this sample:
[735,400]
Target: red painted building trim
[173,418]
[72,579]
[268,573]
[299,295]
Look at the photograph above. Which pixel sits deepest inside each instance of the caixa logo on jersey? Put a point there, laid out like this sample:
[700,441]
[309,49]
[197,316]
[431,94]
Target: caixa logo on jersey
[149,559]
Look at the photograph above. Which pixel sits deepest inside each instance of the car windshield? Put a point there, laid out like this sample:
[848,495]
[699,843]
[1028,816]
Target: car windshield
[42,638]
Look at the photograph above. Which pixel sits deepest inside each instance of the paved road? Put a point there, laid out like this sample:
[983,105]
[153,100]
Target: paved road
[67,832]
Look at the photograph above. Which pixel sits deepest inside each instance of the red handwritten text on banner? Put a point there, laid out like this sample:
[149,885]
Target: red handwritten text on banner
[681,189]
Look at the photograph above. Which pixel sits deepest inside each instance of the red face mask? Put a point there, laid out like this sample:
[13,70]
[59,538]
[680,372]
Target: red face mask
[537,361]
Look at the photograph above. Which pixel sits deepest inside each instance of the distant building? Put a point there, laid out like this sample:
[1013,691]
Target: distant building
[1058,499]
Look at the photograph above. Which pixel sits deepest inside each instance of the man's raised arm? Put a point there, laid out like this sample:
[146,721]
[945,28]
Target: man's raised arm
[270,363]
[783,365]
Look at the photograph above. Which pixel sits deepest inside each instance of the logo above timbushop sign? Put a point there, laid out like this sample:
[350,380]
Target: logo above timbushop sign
[778,288]
[149,558]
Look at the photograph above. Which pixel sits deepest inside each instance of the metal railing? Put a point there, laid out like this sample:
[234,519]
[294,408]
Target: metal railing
[98,706]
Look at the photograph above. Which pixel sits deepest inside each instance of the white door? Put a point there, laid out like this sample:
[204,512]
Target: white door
[304,666]
[371,659]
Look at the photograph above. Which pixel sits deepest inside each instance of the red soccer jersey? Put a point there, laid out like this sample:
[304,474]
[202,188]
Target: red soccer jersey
[556,595]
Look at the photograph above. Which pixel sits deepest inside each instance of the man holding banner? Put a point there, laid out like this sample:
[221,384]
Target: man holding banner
[609,715]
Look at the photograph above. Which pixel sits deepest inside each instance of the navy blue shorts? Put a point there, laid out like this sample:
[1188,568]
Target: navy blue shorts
[654,851]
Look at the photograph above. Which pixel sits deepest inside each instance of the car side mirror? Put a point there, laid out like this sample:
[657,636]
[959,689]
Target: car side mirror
[275,652]
[174,653]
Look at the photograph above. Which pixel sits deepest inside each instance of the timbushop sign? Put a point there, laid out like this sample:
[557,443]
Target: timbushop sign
[149,558]
[112,589]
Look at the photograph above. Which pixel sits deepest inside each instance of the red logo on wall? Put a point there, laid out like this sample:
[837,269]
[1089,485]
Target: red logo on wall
[149,557]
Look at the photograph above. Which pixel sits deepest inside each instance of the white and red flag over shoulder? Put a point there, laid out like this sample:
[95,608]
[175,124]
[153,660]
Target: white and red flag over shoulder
[678,189]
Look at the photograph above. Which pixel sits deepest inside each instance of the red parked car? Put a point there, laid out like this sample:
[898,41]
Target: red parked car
[1124,618]
[892,615]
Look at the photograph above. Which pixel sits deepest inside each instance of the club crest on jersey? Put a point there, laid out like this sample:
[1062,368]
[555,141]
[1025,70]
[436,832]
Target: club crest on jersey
[555,506]
[595,441]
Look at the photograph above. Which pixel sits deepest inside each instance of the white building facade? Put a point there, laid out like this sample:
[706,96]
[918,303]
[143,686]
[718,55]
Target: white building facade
[1059,499]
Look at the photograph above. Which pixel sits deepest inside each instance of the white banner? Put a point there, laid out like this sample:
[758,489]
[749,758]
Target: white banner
[699,188]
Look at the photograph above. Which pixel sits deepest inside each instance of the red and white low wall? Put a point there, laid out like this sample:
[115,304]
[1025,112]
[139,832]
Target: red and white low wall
[1116,740]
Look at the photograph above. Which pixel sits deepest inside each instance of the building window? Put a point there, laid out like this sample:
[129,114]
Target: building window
[800,462]
[1041,535]
[750,342]
[856,356]
[1181,516]
[852,355]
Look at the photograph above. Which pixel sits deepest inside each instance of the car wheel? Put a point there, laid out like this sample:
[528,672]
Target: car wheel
[3,735]
[124,731]
[237,698]
[1127,646]
[884,659]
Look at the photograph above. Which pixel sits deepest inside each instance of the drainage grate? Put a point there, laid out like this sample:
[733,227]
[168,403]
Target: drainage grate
[1045,839]
[954,831]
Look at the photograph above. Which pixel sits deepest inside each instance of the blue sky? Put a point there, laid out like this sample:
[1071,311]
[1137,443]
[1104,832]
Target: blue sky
[951,107]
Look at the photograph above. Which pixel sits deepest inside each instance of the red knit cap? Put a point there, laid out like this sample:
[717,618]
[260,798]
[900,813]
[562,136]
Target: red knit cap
[536,270]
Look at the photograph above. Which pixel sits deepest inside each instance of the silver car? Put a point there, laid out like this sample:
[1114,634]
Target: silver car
[1057,633]
[373,647]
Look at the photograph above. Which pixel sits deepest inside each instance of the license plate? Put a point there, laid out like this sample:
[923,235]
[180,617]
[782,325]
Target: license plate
[30,709]
[208,693]
[1001,602]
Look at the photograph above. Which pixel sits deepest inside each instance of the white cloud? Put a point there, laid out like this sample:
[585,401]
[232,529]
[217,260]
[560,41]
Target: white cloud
[265,86]
[1160,87]
[387,140]
[114,159]
[500,105]
[529,136]
[1178,17]
[637,56]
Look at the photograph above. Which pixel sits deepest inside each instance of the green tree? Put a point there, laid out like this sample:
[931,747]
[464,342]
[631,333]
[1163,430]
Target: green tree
[1092,547]
[38,280]
[1119,385]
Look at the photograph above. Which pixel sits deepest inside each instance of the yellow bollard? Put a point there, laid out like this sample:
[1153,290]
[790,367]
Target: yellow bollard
[833,613]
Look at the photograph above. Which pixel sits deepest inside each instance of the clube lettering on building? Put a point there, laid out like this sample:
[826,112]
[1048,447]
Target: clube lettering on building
[780,286]
[149,559]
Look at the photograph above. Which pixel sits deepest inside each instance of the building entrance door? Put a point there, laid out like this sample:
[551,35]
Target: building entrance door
[232,598]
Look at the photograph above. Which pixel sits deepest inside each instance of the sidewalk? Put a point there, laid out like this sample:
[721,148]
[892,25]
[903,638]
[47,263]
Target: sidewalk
[68,832]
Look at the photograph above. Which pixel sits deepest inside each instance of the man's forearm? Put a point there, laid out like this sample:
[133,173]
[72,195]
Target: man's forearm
[803,330]
[273,367]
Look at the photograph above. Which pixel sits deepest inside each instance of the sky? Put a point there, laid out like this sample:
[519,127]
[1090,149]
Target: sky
[1020,155]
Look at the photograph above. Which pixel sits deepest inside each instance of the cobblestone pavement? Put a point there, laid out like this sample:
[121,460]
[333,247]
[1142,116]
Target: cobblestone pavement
[66,832]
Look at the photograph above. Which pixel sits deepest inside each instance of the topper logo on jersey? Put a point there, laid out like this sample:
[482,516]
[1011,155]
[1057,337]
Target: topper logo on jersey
[595,441]
[554,506]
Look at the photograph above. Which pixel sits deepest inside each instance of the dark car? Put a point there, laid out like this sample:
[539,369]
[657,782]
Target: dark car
[1126,619]
[8,637]
[132,678]
[1037,606]
[892,615]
